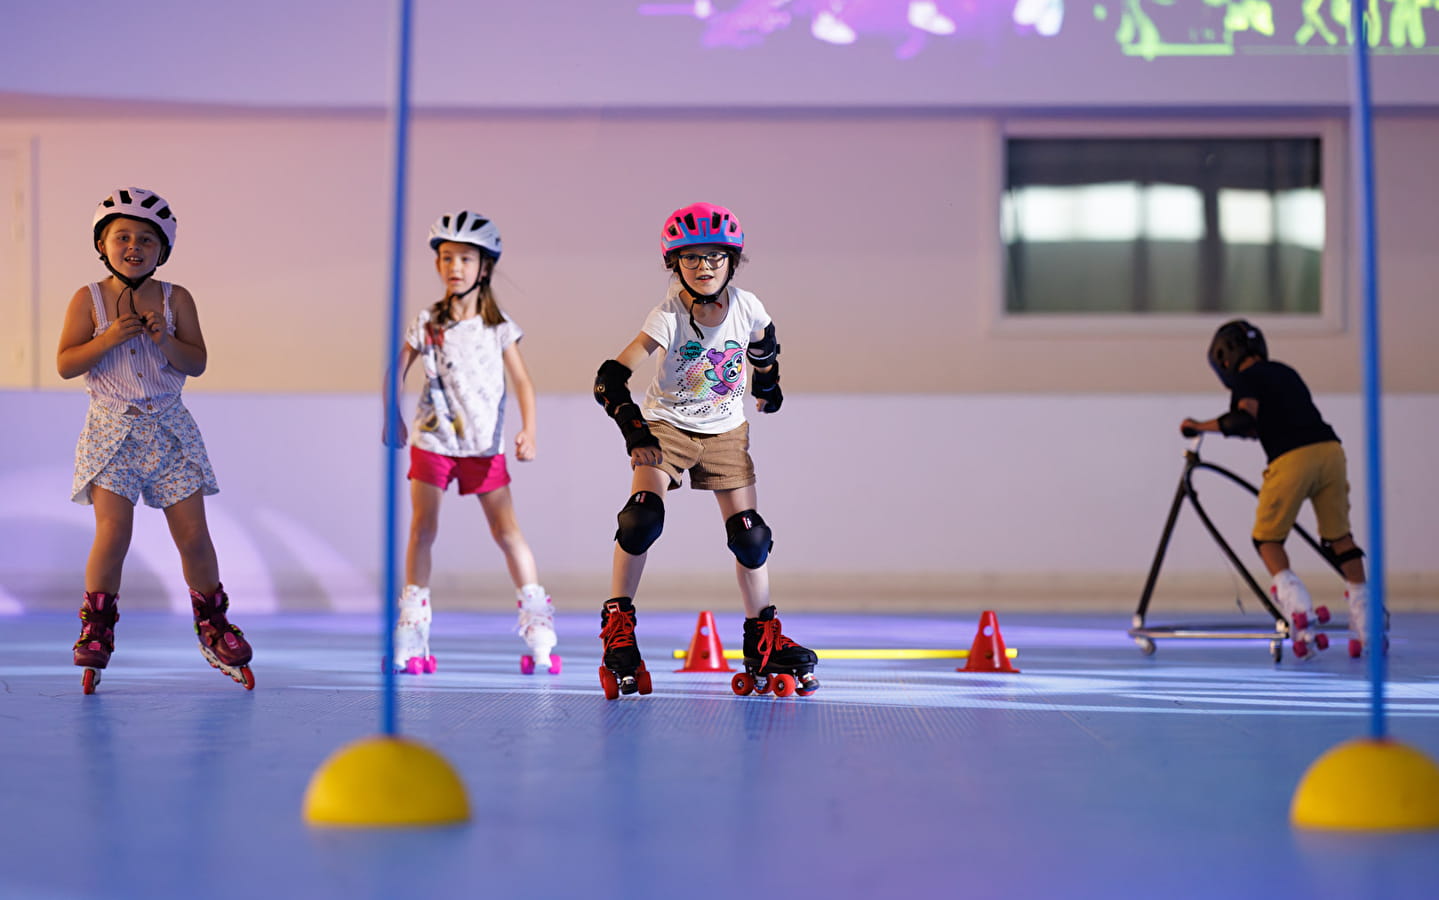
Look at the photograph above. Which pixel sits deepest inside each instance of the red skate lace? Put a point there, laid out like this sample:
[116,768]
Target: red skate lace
[619,629]
[770,640]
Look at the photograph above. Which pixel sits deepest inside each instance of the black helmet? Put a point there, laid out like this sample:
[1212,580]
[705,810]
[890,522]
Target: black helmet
[1233,343]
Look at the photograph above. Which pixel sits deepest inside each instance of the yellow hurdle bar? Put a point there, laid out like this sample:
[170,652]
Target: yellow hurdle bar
[891,653]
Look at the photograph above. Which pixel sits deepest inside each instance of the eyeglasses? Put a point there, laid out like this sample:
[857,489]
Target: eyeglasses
[716,259]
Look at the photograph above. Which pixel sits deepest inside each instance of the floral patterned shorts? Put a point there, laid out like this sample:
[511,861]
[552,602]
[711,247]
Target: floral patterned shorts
[160,457]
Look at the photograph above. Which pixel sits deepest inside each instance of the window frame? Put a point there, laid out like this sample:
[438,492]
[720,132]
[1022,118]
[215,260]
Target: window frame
[1334,264]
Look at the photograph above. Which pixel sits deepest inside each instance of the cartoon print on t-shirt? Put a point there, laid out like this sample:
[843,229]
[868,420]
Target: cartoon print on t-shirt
[728,368]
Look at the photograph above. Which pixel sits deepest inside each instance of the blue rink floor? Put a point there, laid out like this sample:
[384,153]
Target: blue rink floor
[1096,772]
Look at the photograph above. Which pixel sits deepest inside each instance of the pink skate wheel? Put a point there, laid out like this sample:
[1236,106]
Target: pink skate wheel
[1301,621]
[414,666]
[742,684]
[527,665]
[430,665]
[1321,640]
[1322,614]
[555,664]
[1301,649]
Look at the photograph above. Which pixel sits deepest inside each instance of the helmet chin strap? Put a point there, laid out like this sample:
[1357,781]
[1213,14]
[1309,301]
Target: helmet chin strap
[702,299]
[132,283]
[451,298]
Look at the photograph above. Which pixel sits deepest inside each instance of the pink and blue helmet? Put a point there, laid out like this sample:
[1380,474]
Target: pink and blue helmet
[701,223]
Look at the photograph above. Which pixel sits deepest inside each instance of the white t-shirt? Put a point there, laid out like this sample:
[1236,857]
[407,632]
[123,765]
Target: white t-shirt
[471,366]
[700,384]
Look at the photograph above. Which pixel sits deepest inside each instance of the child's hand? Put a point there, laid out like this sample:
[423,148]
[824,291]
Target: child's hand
[1191,428]
[524,446]
[645,456]
[395,435]
[122,329]
[154,324]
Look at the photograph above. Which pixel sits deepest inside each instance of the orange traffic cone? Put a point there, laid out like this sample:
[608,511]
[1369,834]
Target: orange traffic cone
[705,653]
[987,653]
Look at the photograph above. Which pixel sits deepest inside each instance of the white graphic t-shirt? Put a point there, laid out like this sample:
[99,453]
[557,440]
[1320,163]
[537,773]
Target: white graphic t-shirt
[464,370]
[700,384]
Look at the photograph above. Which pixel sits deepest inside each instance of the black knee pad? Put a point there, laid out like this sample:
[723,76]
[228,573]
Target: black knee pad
[1339,559]
[750,539]
[641,522]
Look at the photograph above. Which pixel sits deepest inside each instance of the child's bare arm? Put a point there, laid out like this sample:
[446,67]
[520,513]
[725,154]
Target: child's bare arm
[185,349]
[394,432]
[519,377]
[80,348]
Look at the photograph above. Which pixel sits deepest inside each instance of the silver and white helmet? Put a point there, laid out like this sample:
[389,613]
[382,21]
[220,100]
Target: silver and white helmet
[466,227]
[138,203]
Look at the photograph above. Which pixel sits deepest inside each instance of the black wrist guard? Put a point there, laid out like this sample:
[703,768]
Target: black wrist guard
[765,386]
[612,391]
[1237,423]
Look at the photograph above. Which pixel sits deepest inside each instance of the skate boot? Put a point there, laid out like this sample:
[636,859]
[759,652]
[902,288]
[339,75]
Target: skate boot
[773,662]
[412,632]
[223,645]
[97,636]
[623,671]
[1292,599]
[537,627]
[1357,596]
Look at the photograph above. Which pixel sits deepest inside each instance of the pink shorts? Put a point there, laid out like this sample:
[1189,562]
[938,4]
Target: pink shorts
[477,474]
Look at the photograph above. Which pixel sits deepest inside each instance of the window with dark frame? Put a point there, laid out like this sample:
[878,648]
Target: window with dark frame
[1171,225]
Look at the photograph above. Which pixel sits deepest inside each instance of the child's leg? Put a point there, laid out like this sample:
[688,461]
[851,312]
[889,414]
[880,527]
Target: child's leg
[114,523]
[628,567]
[191,534]
[424,525]
[753,583]
[505,529]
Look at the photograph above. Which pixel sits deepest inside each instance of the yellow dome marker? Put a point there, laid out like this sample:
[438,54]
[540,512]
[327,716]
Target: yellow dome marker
[1369,785]
[386,782]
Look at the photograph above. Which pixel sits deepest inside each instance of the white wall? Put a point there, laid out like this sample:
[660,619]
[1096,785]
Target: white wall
[875,500]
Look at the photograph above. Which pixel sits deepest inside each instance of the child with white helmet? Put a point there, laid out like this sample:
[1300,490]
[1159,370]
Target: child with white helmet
[712,335]
[1269,401]
[468,348]
[136,339]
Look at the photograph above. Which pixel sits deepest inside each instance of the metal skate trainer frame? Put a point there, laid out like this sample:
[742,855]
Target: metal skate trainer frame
[1145,635]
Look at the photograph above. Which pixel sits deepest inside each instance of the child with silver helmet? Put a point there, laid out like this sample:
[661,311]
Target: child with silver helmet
[711,334]
[1270,402]
[469,349]
[136,340]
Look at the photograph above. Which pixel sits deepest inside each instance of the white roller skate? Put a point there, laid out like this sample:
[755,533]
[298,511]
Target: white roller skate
[412,632]
[537,627]
[1293,601]
[1357,596]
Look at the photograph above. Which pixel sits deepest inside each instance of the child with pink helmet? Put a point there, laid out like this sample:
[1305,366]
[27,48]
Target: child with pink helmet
[711,334]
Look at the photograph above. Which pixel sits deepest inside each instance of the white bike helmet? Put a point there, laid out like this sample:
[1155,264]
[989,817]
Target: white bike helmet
[138,203]
[466,227]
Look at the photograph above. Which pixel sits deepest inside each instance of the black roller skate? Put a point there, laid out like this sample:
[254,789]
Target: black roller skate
[773,662]
[624,671]
[97,636]
[223,644]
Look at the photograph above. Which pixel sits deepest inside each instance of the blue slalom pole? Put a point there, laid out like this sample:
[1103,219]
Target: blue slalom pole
[1362,145]
[400,132]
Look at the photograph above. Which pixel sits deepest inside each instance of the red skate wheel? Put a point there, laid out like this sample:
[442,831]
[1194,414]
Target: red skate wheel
[1322,614]
[742,684]
[783,685]
[1301,621]
[609,683]
[1356,648]
[555,665]
[642,678]
[1301,649]
[247,678]
[92,678]
[527,665]
[1321,641]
